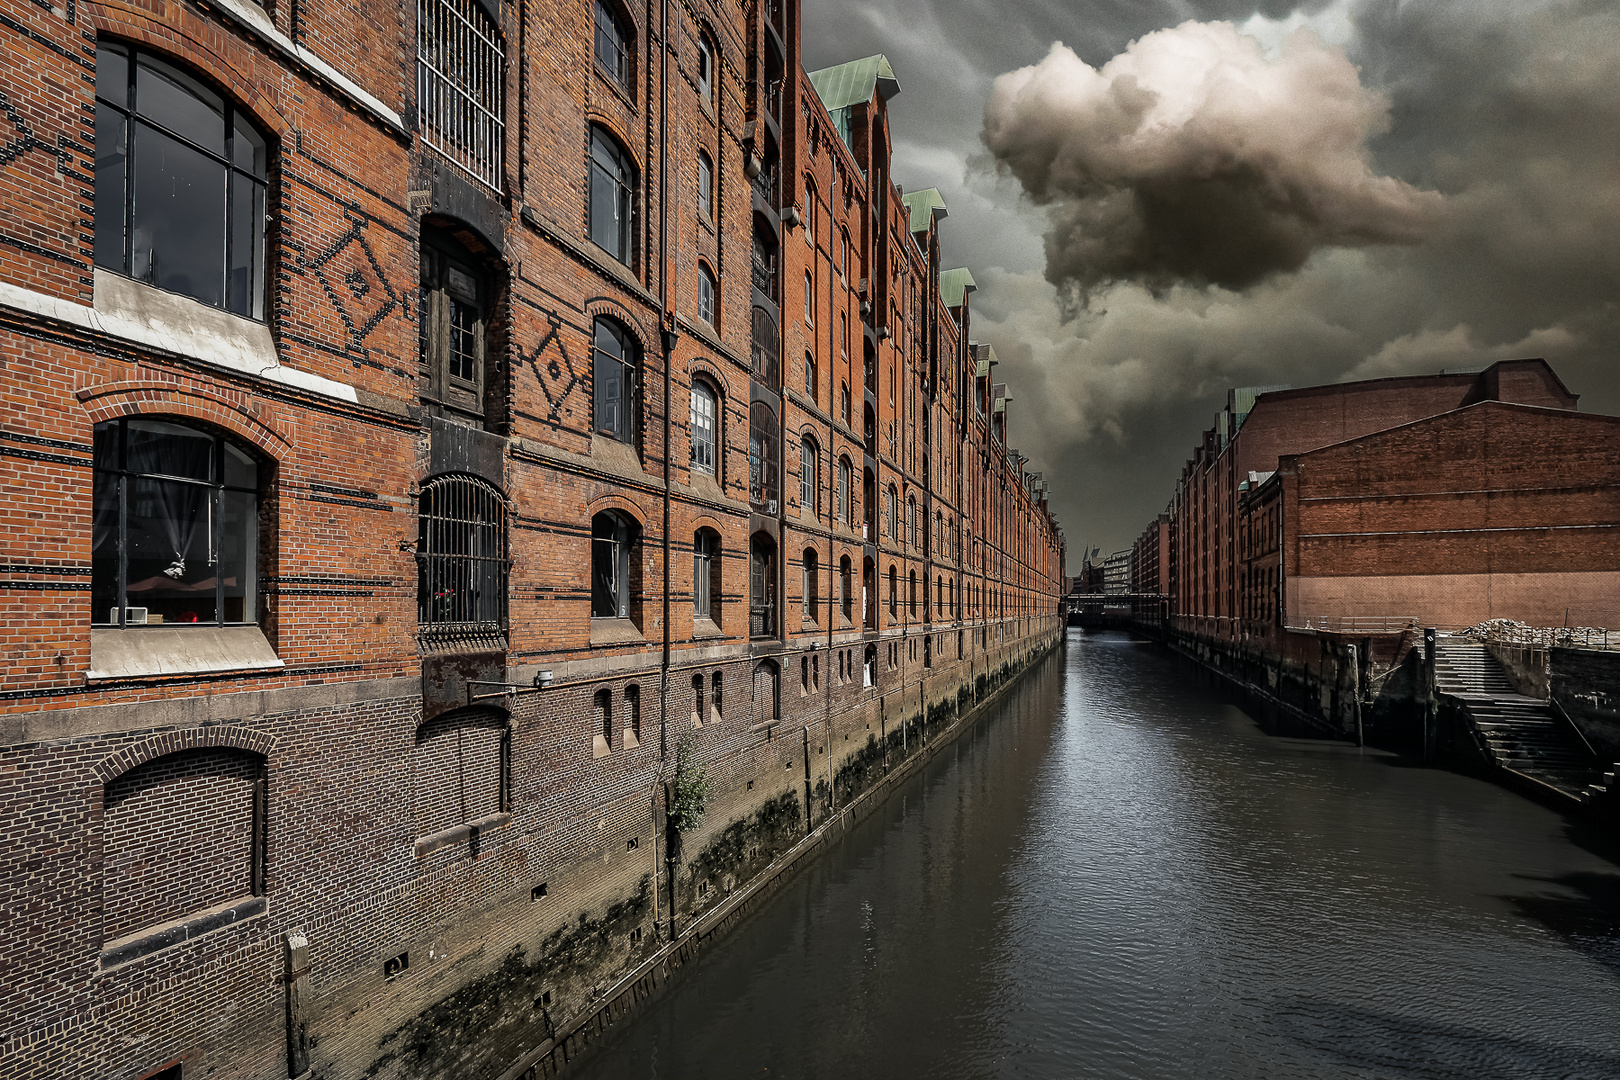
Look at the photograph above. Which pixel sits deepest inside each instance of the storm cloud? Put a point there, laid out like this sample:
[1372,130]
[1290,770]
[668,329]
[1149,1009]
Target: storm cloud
[1195,157]
[1459,203]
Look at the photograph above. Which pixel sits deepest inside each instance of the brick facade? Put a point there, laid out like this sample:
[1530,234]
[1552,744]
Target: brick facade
[1445,499]
[457,791]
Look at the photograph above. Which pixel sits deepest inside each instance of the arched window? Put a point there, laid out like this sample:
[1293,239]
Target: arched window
[705,428]
[612,193]
[809,212]
[182,833]
[461,557]
[763,437]
[809,299]
[843,401]
[613,51]
[180,183]
[461,85]
[459,770]
[707,296]
[602,724]
[176,526]
[764,347]
[911,594]
[843,490]
[614,367]
[809,481]
[811,590]
[455,303]
[706,574]
[613,577]
[632,717]
[705,69]
[810,383]
[911,521]
[845,587]
[705,181]
[894,591]
[767,687]
[891,523]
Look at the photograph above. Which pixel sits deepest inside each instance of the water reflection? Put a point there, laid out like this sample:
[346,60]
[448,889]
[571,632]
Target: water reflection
[1122,875]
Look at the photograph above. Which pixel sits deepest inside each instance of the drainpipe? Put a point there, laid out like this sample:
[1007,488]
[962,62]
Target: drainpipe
[668,339]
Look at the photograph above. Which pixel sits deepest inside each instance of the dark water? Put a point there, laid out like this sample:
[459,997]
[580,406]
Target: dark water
[1122,875]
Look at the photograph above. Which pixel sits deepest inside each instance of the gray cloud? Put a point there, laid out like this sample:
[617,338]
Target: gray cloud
[1505,109]
[1195,157]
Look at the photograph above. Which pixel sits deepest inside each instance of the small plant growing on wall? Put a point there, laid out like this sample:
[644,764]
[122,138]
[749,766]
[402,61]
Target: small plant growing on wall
[689,793]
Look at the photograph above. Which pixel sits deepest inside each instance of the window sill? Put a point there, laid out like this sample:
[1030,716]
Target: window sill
[703,627]
[615,632]
[155,939]
[161,650]
[468,832]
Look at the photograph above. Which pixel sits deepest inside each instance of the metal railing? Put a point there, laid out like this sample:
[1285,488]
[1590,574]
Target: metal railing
[761,619]
[1358,624]
[764,277]
[1504,632]
[765,184]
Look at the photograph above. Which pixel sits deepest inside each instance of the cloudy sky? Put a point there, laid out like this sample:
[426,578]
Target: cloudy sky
[1161,200]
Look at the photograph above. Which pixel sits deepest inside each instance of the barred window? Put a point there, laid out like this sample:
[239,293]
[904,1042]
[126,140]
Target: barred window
[763,435]
[461,549]
[461,85]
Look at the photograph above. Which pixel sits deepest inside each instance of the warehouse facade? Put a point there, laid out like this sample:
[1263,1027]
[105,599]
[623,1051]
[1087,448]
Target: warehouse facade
[420,428]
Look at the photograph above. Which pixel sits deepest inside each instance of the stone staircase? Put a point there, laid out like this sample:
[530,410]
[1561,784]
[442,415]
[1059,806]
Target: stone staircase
[1520,734]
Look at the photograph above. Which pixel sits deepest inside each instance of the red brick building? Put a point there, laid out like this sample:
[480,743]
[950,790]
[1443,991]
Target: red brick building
[1443,499]
[416,423]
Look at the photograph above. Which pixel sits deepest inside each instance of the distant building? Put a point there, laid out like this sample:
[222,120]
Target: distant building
[1117,573]
[1442,499]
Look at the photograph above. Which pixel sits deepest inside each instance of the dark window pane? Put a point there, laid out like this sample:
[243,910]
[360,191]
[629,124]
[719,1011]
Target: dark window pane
[463,341]
[180,103]
[604,218]
[240,470]
[112,74]
[111,171]
[239,554]
[178,193]
[104,540]
[172,570]
[247,151]
[163,449]
[243,267]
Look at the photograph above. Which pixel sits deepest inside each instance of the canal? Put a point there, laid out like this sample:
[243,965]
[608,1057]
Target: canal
[1122,875]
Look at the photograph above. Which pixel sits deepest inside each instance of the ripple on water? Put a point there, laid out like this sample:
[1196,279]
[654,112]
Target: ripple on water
[1122,876]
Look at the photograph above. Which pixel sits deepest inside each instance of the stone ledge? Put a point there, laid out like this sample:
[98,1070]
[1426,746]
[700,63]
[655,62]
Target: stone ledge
[146,942]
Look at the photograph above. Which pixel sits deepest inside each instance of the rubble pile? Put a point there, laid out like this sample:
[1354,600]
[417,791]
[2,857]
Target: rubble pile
[1518,633]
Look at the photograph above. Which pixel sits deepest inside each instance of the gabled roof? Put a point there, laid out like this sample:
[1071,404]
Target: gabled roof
[924,206]
[854,83]
[954,285]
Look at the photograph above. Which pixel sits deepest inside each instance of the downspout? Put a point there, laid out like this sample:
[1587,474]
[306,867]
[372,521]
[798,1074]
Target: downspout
[668,339]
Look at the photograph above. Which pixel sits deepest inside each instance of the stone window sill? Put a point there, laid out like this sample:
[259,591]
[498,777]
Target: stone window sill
[155,939]
[468,832]
[615,632]
[704,627]
[140,651]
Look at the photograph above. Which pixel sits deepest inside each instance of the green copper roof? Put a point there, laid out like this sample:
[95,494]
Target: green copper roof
[923,205]
[954,285]
[855,82]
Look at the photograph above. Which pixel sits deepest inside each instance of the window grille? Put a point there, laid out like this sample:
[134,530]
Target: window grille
[763,435]
[461,86]
[461,552]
